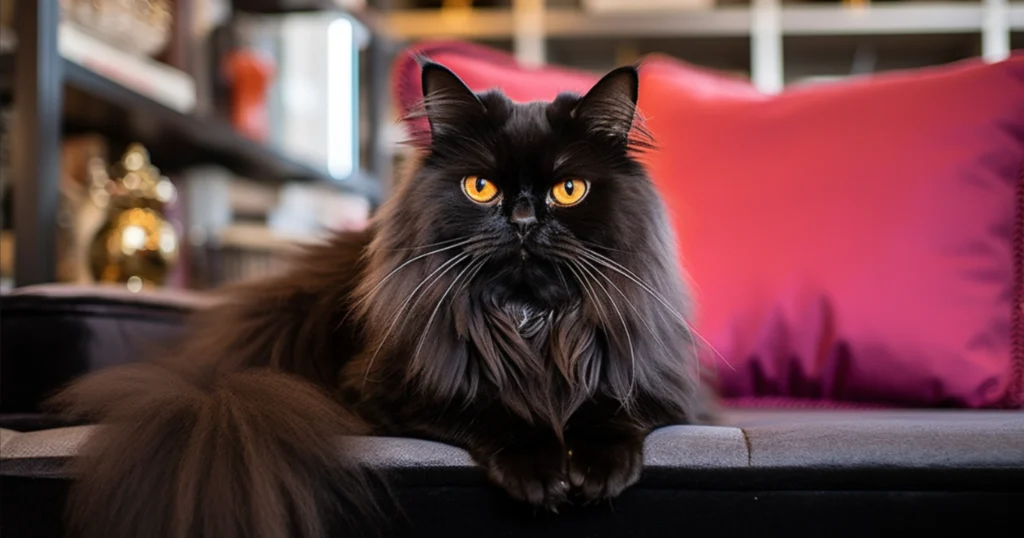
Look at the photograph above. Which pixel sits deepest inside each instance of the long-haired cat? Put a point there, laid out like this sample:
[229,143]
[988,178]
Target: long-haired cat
[518,296]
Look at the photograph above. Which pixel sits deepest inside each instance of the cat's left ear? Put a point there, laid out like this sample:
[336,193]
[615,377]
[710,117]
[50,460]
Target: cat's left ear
[446,98]
[609,107]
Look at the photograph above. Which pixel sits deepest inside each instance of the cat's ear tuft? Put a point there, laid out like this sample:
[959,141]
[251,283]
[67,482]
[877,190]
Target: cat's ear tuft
[447,100]
[609,108]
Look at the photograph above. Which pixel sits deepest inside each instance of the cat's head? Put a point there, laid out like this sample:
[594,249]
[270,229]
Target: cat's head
[528,187]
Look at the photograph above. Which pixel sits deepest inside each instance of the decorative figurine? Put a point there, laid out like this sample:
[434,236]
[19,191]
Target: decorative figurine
[137,245]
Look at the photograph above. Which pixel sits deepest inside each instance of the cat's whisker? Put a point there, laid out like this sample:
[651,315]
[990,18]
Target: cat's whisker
[430,320]
[615,266]
[428,245]
[657,337]
[571,265]
[358,303]
[561,276]
[480,265]
[639,316]
[602,247]
[625,327]
[443,268]
[413,259]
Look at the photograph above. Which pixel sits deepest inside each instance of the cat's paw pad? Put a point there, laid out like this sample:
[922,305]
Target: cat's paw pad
[603,469]
[536,476]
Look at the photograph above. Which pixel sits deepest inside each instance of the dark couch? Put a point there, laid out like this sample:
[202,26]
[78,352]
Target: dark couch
[767,472]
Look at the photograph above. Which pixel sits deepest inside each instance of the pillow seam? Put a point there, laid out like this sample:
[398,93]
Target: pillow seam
[1015,395]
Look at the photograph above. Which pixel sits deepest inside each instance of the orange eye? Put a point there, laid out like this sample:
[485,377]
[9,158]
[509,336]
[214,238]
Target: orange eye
[569,192]
[479,189]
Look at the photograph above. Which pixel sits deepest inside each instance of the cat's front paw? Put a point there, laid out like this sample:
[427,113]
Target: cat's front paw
[536,474]
[603,468]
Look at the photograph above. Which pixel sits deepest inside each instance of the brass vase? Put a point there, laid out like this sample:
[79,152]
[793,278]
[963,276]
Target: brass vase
[136,246]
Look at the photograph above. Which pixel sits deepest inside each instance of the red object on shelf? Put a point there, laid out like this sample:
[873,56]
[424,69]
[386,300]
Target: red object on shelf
[249,76]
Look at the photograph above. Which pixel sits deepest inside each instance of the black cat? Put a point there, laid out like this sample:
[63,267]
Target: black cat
[519,296]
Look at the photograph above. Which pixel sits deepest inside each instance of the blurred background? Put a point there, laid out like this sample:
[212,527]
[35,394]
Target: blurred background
[187,143]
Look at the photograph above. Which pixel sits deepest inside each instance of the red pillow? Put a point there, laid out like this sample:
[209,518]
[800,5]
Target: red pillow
[855,242]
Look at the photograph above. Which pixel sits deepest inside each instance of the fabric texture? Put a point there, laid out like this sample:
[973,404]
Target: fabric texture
[857,242]
[915,439]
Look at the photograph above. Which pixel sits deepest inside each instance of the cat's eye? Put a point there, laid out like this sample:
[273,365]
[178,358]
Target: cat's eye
[479,190]
[569,192]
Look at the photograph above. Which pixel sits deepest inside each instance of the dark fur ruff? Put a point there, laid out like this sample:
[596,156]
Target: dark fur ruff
[548,351]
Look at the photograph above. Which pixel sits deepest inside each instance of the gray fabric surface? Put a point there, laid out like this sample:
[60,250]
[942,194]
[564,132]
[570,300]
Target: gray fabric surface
[759,439]
[873,439]
[695,447]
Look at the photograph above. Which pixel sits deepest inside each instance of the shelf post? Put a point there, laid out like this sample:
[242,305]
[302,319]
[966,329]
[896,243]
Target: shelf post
[995,30]
[529,36]
[36,139]
[766,69]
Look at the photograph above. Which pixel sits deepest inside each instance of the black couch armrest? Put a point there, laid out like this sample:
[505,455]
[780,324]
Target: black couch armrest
[51,334]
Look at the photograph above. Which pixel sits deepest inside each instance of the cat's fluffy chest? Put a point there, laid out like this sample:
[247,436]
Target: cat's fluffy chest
[532,323]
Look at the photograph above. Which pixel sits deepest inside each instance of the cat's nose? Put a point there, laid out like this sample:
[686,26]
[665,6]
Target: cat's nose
[523,216]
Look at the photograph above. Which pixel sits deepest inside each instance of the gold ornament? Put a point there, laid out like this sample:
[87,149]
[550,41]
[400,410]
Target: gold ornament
[136,246]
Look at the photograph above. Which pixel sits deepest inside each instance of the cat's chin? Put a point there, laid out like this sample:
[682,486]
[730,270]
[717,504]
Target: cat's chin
[532,282]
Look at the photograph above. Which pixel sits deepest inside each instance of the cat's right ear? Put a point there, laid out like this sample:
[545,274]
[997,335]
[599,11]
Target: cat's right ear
[447,101]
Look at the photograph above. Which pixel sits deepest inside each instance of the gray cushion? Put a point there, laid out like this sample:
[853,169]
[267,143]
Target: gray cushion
[749,439]
[904,439]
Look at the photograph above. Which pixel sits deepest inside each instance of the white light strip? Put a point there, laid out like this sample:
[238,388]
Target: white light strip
[340,98]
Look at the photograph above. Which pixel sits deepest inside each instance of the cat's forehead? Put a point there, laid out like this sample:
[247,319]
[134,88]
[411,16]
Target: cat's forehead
[519,116]
[528,119]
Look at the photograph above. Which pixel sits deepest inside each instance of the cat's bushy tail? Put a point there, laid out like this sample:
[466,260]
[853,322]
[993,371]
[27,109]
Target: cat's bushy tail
[188,452]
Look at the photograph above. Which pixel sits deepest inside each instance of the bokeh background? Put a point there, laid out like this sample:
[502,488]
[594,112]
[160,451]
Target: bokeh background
[186,143]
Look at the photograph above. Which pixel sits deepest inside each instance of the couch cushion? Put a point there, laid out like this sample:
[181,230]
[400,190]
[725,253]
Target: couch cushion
[930,439]
[856,242]
[747,439]
[50,334]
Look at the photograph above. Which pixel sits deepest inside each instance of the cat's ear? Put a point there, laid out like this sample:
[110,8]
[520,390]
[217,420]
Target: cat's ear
[447,101]
[609,108]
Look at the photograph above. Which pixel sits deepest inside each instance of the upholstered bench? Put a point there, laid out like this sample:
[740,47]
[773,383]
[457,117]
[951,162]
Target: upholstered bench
[764,472]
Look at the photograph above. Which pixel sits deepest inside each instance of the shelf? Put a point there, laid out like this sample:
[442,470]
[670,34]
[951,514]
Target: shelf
[1017,16]
[913,18]
[811,57]
[563,22]
[176,140]
[728,21]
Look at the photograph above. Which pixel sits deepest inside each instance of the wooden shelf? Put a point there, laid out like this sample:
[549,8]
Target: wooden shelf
[728,21]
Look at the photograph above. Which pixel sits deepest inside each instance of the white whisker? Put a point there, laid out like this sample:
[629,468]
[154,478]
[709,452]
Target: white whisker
[625,327]
[428,245]
[443,268]
[430,321]
[643,319]
[615,266]
[588,291]
[413,259]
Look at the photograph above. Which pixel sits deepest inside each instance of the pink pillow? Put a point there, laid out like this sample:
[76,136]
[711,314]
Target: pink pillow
[859,242]
[853,242]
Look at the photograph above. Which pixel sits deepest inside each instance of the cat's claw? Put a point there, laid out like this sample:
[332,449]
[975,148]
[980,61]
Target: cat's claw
[537,477]
[604,469]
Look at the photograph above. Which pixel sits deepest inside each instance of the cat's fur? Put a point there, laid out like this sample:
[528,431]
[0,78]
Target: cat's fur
[548,348]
